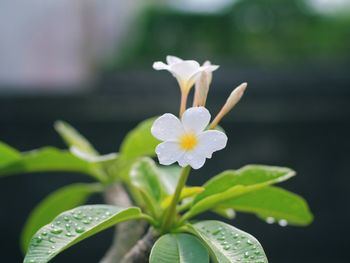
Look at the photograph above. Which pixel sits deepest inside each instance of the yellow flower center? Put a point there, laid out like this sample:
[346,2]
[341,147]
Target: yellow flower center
[188,141]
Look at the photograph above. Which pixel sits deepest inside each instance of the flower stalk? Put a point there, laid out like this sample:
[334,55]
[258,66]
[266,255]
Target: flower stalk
[170,213]
[183,104]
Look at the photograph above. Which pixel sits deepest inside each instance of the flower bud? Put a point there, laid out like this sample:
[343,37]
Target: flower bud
[232,100]
[201,90]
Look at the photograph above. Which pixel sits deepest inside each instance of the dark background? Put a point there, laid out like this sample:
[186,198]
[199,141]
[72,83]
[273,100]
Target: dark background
[295,113]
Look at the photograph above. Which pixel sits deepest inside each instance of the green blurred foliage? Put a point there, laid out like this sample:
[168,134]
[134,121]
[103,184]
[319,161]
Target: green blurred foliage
[251,31]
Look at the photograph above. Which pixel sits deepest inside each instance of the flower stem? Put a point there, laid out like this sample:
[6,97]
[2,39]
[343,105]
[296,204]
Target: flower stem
[170,213]
[183,104]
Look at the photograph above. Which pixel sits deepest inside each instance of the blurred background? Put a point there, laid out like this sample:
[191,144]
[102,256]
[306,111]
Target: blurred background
[89,63]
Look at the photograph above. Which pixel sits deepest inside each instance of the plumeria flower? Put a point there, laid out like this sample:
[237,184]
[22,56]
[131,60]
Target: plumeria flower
[185,71]
[186,141]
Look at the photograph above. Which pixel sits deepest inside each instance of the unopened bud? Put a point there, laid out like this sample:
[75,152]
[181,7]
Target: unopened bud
[232,100]
[235,96]
[201,90]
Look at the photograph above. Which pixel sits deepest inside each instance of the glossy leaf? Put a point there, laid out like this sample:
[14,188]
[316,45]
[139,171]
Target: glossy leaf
[246,176]
[57,202]
[50,159]
[74,226]
[145,175]
[7,154]
[139,142]
[178,248]
[231,184]
[73,138]
[274,204]
[228,213]
[228,244]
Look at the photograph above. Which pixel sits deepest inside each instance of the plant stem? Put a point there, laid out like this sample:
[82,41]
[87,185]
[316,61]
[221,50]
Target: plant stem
[149,219]
[170,213]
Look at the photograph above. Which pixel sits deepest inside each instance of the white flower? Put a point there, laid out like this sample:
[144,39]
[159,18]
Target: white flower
[186,141]
[185,71]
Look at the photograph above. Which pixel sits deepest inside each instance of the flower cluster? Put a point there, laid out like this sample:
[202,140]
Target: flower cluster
[191,139]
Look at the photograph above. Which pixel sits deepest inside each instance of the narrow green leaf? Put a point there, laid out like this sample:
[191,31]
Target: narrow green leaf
[74,226]
[80,147]
[145,175]
[186,192]
[246,176]
[57,202]
[139,142]
[7,154]
[73,138]
[50,159]
[227,213]
[228,244]
[275,204]
[231,184]
[178,248]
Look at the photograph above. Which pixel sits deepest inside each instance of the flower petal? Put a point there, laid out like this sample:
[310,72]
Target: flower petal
[168,152]
[184,70]
[167,127]
[192,158]
[159,65]
[172,60]
[195,119]
[211,141]
[209,67]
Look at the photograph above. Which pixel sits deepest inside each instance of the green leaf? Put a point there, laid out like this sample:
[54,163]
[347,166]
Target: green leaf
[246,176]
[7,154]
[231,184]
[227,213]
[74,226]
[274,203]
[169,177]
[57,202]
[145,175]
[73,138]
[228,244]
[50,159]
[178,248]
[186,192]
[83,149]
[139,142]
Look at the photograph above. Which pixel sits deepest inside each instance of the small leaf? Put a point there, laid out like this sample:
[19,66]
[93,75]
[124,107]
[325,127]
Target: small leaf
[73,226]
[57,202]
[185,193]
[139,142]
[7,154]
[73,138]
[231,184]
[228,244]
[274,203]
[145,175]
[178,248]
